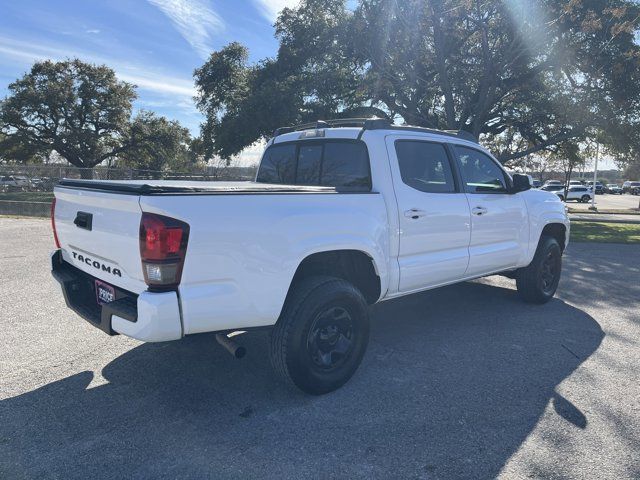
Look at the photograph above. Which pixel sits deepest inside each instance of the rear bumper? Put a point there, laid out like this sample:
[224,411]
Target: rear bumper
[149,316]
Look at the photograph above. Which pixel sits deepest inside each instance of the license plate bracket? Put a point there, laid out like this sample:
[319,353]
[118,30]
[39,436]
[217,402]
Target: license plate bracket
[105,293]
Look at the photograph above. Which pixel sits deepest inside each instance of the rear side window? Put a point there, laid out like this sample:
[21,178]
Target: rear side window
[340,164]
[345,164]
[278,165]
[425,166]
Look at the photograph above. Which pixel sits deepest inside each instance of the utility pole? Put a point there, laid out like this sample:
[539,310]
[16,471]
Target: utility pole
[595,179]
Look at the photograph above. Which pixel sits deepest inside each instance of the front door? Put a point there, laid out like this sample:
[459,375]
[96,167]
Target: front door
[499,225]
[433,211]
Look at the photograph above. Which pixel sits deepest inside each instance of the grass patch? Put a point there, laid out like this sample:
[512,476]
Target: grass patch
[27,196]
[605,232]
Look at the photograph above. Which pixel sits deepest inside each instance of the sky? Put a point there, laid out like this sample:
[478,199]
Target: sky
[154,44]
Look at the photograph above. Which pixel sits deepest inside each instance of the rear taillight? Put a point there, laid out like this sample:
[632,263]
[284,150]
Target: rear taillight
[53,222]
[163,246]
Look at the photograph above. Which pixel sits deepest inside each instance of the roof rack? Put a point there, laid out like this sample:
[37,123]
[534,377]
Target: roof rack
[372,123]
[367,123]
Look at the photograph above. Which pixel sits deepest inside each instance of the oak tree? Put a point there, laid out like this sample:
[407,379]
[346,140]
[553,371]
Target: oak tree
[523,76]
[80,110]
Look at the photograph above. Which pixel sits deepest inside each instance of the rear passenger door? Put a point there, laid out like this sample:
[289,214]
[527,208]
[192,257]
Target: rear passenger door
[499,225]
[434,214]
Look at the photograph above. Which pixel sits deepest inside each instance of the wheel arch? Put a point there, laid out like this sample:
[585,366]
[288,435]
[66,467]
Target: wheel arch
[556,230]
[355,266]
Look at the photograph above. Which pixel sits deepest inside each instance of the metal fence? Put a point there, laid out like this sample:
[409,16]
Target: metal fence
[42,178]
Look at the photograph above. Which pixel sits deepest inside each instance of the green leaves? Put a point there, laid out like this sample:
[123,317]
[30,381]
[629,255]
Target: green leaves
[78,109]
[525,76]
[83,112]
[155,143]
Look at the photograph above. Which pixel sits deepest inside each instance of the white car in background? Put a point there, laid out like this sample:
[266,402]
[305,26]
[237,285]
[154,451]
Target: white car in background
[613,189]
[552,183]
[580,194]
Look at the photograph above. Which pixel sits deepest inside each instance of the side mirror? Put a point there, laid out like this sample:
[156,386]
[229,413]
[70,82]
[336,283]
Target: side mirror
[521,183]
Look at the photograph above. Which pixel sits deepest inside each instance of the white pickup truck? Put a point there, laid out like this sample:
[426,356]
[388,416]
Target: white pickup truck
[341,215]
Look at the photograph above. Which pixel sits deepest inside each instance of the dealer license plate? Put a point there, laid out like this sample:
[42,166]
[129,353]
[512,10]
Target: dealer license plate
[105,293]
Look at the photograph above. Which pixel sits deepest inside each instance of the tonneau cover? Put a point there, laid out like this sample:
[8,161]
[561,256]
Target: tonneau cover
[169,187]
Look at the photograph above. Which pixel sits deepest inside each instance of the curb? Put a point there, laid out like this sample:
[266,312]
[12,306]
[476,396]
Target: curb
[604,220]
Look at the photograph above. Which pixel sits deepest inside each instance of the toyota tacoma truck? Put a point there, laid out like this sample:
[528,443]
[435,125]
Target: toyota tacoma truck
[342,214]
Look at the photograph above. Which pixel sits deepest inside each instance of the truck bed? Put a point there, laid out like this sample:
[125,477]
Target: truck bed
[246,240]
[180,187]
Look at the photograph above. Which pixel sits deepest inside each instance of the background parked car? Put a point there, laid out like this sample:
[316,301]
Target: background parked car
[552,182]
[613,189]
[10,183]
[553,188]
[599,187]
[631,187]
[580,194]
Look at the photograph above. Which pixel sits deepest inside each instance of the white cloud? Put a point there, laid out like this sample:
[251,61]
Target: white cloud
[144,78]
[271,8]
[92,30]
[196,21]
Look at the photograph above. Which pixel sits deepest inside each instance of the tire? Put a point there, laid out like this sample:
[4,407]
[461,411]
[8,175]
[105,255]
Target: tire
[538,282]
[320,338]
[585,199]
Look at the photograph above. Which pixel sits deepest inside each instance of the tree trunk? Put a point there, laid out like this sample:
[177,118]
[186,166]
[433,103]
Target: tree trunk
[567,178]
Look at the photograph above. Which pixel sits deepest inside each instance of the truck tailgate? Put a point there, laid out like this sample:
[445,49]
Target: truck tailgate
[99,234]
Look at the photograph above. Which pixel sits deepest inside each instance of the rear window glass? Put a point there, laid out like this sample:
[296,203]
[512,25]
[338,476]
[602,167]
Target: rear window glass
[340,164]
[309,159]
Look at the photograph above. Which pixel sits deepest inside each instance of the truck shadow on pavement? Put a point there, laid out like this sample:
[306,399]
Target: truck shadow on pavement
[453,382]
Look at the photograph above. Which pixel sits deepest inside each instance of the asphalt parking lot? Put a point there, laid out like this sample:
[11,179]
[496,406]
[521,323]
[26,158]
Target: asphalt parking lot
[607,201]
[460,382]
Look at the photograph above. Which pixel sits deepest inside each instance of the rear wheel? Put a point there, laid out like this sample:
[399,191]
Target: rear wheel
[538,282]
[585,198]
[321,336]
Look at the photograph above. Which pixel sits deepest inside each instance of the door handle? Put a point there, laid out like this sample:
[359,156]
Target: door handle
[479,211]
[414,213]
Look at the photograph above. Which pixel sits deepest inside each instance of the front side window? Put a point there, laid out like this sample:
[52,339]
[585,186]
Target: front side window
[480,172]
[425,166]
[339,164]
